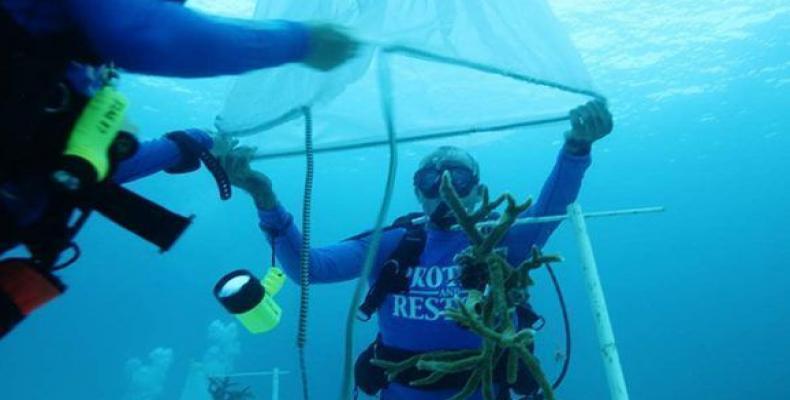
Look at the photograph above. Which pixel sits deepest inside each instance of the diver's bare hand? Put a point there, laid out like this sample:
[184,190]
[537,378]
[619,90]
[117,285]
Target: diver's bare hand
[589,123]
[223,144]
[257,184]
[330,47]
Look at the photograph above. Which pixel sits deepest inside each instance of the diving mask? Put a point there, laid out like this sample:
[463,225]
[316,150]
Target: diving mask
[428,179]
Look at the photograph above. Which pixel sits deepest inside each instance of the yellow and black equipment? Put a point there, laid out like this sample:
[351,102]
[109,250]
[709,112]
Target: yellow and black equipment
[86,159]
[252,300]
[58,148]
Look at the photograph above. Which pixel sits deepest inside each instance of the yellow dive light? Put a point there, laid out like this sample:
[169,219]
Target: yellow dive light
[252,300]
[86,158]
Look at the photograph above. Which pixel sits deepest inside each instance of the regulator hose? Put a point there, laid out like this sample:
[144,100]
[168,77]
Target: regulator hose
[304,273]
[566,323]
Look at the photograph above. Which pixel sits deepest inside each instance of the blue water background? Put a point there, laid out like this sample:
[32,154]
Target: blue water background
[697,295]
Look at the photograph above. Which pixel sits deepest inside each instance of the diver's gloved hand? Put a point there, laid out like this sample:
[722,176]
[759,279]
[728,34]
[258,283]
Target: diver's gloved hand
[330,47]
[589,123]
[236,162]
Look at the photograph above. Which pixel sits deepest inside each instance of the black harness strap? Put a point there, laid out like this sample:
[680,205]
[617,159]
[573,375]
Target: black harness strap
[393,277]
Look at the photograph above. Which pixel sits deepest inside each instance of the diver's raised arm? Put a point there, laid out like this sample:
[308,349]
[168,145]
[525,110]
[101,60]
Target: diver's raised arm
[164,38]
[589,123]
[162,154]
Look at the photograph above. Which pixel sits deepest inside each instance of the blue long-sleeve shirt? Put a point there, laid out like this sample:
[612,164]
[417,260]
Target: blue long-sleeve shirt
[414,321]
[27,200]
[163,38]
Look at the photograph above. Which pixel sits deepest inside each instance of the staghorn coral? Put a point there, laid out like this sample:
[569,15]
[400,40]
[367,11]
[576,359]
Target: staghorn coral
[489,310]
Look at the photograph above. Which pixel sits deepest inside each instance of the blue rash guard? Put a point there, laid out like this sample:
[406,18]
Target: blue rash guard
[414,321]
[163,38]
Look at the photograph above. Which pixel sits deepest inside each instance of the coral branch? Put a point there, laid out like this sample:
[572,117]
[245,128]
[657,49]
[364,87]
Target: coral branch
[495,289]
[533,366]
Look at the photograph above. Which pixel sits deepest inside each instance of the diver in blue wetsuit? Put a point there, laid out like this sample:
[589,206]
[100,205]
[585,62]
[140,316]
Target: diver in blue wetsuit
[410,318]
[63,149]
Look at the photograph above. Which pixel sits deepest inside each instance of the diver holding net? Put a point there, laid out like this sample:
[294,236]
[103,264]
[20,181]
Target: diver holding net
[414,279]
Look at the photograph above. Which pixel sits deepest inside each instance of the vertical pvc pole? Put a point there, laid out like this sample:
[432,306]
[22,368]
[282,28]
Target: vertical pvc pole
[276,384]
[603,326]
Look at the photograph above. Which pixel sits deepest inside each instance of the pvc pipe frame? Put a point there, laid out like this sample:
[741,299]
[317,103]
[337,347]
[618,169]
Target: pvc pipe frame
[558,218]
[425,136]
[603,326]
[389,50]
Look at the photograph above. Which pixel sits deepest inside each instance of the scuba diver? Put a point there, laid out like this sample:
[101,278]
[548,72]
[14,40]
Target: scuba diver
[410,297]
[64,148]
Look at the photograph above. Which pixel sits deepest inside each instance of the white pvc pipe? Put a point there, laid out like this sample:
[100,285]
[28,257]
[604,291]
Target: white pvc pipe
[276,384]
[259,373]
[275,373]
[557,218]
[603,326]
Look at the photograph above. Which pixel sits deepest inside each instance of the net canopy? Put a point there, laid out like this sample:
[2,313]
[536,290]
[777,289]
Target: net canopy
[453,66]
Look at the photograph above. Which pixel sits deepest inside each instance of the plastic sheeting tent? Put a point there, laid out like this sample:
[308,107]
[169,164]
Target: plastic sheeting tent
[453,66]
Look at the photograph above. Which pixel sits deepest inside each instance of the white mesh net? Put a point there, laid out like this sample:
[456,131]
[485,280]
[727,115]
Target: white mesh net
[454,65]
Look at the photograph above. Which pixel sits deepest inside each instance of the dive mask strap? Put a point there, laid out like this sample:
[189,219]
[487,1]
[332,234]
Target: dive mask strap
[192,154]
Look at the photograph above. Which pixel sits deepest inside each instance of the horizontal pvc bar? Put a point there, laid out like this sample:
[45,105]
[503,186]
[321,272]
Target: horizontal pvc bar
[598,214]
[258,373]
[411,139]
[557,218]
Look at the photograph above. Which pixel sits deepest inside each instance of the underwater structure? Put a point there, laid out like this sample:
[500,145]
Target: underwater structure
[517,69]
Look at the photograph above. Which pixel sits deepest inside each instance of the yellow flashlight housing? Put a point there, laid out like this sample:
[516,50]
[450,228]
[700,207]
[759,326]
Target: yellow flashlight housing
[252,300]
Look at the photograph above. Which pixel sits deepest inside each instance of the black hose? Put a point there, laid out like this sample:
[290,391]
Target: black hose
[566,325]
[304,275]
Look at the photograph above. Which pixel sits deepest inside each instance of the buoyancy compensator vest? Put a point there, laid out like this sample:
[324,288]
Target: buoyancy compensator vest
[61,145]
